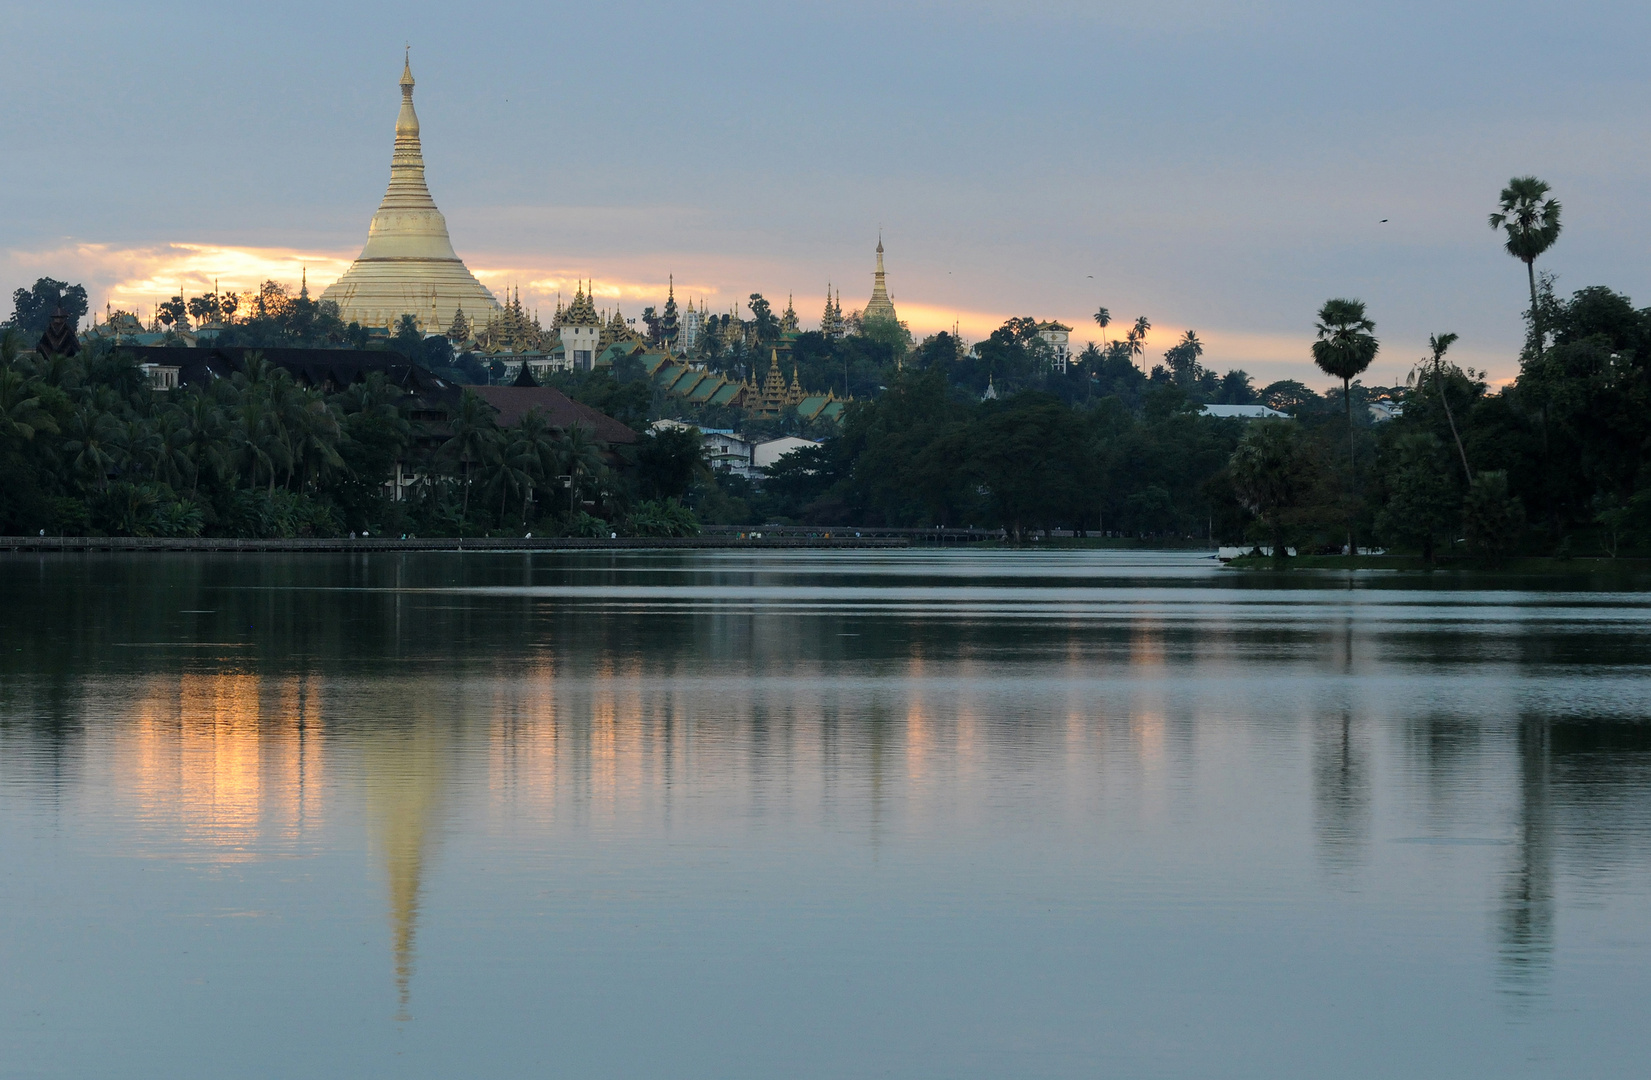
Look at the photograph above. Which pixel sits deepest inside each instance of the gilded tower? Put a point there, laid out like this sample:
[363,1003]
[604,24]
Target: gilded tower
[879,306]
[409,266]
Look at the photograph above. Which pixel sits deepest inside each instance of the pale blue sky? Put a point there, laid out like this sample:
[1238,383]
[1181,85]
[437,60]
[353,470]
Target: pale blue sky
[1220,166]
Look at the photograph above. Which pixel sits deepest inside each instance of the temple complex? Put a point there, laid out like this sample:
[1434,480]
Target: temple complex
[409,266]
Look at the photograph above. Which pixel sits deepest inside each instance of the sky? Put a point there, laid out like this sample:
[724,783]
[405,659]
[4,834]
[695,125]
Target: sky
[1217,166]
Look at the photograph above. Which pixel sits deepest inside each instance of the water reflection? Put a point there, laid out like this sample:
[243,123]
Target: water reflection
[1153,733]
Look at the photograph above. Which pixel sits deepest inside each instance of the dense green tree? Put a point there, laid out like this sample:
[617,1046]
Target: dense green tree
[1269,470]
[668,461]
[1422,501]
[1492,518]
[32,308]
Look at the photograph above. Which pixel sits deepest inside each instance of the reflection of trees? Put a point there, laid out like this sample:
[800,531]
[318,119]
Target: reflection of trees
[1526,926]
[1341,791]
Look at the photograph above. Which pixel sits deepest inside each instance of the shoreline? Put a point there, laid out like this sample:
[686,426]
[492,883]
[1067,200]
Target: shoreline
[451,543]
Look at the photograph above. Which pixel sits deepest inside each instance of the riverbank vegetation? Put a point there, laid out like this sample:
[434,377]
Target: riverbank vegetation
[995,434]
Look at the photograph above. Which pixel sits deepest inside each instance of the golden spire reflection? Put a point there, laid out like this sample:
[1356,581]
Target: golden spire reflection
[403,775]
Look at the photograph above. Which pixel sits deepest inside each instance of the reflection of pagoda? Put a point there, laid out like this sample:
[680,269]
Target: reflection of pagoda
[404,775]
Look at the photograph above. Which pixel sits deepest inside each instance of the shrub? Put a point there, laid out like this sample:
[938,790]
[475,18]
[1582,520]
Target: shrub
[1492,520]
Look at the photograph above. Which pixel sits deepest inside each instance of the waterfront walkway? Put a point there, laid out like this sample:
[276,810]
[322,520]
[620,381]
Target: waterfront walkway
[753,539]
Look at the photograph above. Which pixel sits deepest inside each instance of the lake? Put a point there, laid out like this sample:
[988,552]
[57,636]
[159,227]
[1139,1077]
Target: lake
[819,814]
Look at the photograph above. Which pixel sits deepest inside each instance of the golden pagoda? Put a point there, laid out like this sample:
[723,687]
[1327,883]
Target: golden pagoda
[409,266]
[879,306]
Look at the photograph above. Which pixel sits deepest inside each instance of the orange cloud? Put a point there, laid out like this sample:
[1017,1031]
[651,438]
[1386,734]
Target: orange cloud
[136,278]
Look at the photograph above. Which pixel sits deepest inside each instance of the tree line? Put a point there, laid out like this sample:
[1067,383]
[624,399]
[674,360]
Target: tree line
[88,447]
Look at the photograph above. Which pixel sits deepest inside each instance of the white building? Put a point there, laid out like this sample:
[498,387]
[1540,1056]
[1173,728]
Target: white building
[1243,412]
[764,454]
[1058,336]
[689,323]
[723,449]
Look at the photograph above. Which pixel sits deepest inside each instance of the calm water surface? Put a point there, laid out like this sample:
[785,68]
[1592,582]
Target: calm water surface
[804,814]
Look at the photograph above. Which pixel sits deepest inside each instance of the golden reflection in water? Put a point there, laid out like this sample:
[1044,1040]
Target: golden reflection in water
[404,772]
[1147,711]
[918,736]
[224,764]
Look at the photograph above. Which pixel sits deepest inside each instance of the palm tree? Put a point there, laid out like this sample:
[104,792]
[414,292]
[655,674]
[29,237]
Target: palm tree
[1103,319]
[578,454]
[173,437]
[1138,338]
[1439,343]
[21,413]
[207,443]
[1345,347]
[87,440]
[1532,224]
[474,438]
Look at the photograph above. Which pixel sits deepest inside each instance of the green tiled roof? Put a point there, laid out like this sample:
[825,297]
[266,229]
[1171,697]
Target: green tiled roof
[705,390]
[809,407]
[727,393]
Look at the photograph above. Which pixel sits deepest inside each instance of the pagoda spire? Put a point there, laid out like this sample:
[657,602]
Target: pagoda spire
[407,190]
[880,306]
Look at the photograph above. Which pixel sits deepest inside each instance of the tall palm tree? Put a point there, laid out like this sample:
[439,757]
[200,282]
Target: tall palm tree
[1103,319]
[578,455]
[207,443]
[1439,343]
[172,436]
[1345,347]
[474,438]
[87,439]
[1531,222]
[1138,338]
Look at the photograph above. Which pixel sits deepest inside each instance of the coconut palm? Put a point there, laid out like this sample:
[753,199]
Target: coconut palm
[1531,222]
[1439,343]
[1103,319]
[87,443]
[172,438]
[21,413]
[578,455]
[207,437]
[474,439]
[1138,337]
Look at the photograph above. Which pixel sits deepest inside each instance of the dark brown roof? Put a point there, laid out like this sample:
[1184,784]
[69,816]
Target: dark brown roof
[559,410]
[327,369]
